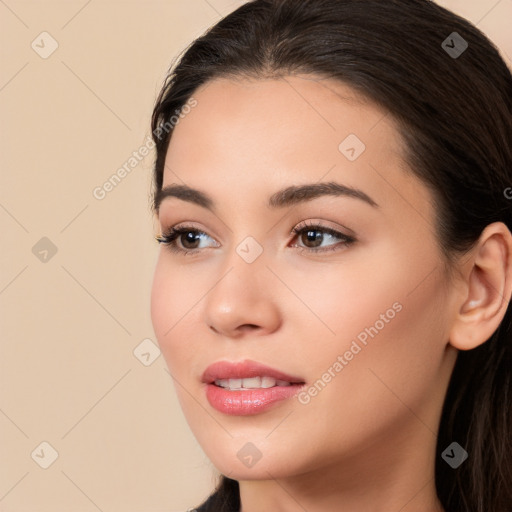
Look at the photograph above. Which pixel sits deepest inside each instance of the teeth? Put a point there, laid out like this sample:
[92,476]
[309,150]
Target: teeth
[235,383]
[268,382]
[250,383]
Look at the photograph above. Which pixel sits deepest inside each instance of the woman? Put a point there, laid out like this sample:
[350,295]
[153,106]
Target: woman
[332,182]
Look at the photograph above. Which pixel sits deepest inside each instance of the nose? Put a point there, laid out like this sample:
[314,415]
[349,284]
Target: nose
[242,301]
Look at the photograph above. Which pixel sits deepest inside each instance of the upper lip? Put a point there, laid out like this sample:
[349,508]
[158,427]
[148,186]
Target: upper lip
[244,370]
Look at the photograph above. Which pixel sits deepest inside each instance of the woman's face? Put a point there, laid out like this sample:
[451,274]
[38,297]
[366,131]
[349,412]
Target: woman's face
[359,319]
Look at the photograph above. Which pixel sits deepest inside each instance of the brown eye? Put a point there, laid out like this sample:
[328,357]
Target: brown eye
[311,238]
[189,239]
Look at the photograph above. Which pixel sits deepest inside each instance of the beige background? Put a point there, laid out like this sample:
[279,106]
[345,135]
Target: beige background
[70,324]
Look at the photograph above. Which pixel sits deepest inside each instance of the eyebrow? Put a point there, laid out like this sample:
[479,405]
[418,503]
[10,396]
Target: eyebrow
[288,196]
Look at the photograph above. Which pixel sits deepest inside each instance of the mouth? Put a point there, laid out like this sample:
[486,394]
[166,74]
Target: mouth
[247,387]
[264,382]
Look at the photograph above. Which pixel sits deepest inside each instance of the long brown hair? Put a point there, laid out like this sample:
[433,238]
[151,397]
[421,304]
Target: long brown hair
[451,93]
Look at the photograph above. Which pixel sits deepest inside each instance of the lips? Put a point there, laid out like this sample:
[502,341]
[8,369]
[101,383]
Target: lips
[224,370]
[247,387]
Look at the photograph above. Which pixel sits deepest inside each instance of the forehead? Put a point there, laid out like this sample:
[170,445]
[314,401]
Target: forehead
[297,119]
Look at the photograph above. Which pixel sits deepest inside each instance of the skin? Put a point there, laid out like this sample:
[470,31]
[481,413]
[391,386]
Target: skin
[367,439]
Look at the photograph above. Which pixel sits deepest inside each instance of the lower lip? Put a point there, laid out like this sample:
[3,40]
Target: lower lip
[248,401]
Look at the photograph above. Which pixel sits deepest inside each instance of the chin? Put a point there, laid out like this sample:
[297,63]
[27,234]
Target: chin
[261,470]
[243,461]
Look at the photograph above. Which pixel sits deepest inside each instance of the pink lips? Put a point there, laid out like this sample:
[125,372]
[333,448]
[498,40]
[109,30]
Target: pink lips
[242,370]
[246,401]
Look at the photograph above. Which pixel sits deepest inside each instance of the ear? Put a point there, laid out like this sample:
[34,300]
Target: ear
[487,290]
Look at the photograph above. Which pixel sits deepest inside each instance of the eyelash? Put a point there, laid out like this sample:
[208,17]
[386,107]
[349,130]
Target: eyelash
[172,234]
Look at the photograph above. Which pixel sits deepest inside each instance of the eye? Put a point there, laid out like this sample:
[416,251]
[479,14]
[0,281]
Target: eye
[188,236]
[314,235]
[187,239]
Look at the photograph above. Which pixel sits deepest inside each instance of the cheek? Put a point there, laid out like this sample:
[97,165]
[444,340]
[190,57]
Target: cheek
[384,312]
[161,309]
[172,298]
[177,314]
[391,338]
[336,303]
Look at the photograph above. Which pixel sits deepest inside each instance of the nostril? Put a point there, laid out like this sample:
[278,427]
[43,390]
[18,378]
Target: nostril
[242,328]
[249,327]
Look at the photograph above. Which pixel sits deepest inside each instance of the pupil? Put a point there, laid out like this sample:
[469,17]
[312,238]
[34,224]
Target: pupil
[190,237]
[314,236]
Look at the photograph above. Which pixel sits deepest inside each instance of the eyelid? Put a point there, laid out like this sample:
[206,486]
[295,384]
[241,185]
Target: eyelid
[317,223]
[183,226]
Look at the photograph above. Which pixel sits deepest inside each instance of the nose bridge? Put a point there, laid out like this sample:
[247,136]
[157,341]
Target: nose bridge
[243,273]
[241,296]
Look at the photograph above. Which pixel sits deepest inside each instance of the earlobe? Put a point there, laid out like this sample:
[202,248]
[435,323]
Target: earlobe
[487,290]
